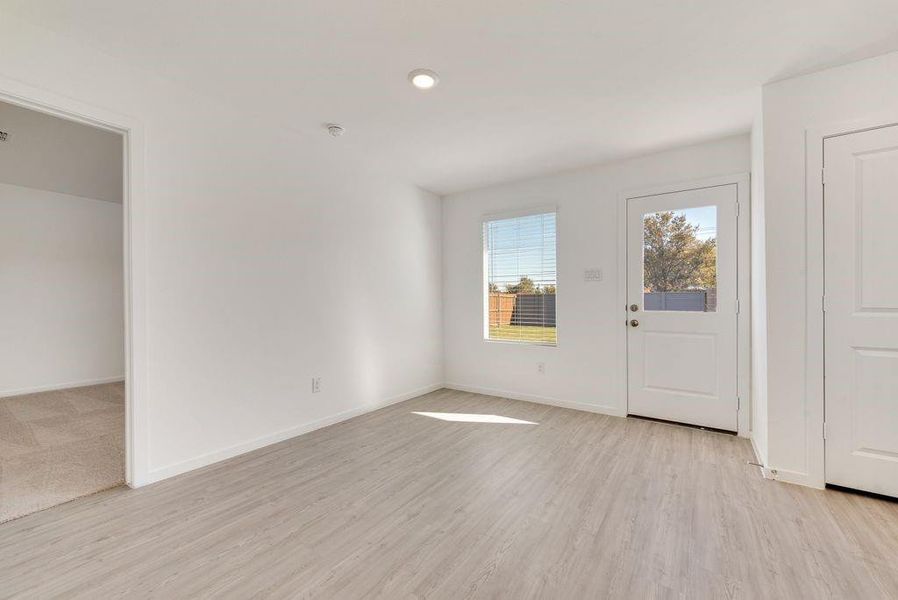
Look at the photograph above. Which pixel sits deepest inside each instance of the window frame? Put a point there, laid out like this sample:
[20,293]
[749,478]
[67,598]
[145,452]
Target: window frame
[684,211]
[484,270]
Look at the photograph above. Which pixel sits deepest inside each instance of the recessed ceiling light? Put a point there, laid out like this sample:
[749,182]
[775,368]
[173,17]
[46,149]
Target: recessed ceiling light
[423,79]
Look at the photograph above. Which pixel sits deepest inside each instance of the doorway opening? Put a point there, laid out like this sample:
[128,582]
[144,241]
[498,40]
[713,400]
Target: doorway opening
[63,389]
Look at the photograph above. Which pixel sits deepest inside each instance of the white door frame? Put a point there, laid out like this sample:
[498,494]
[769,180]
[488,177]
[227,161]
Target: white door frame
[743,283]
[814,389]
[133,211]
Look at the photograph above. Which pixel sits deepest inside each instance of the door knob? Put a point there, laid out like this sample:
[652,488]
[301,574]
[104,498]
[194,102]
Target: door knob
[634,323]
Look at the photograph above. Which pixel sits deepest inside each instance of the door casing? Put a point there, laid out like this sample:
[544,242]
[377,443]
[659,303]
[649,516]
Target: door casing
[815,476]
[858,328]
[137,467]
[743,283]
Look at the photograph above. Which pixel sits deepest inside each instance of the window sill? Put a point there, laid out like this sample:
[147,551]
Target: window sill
[520,343]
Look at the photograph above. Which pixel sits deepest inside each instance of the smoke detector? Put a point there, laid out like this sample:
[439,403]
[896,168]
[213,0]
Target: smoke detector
[335,130]
[5,135]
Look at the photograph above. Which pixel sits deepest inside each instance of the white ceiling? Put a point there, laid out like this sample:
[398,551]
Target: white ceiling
[526,87]
[53,154]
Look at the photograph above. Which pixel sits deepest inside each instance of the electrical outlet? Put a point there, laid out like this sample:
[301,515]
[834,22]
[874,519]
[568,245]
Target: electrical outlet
[541,368]
[316,385]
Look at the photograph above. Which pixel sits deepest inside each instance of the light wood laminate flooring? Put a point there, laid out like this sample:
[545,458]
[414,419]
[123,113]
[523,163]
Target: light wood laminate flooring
[395,504]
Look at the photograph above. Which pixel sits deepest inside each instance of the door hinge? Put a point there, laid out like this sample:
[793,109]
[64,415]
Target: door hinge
[737,209]
[738,403]
[738,307]
[824,430]
[823,176]
[823,302]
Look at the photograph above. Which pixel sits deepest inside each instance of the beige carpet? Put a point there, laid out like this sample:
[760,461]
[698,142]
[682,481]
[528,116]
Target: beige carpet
[61,445]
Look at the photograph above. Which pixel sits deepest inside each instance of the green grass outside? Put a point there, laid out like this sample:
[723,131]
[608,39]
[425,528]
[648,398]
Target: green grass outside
[523,333]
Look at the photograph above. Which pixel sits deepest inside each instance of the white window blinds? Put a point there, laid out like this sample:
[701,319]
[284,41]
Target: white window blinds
[520,279]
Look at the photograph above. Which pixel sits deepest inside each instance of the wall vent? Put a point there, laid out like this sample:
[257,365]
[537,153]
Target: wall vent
[5,136]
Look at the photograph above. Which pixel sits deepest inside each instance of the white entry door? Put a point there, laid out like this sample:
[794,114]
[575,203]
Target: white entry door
[681,314]
[861,310]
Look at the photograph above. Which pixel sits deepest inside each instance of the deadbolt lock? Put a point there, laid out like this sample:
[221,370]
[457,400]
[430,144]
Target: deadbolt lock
[634,307]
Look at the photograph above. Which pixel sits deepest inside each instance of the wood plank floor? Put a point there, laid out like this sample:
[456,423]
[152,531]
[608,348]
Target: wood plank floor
[394,504]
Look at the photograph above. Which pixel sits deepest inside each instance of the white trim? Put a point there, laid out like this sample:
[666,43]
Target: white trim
[785,476]
[814,402]
[61,386]
[622,294]
[216,456]
[743,299]
[759,456]
[795,477]
[522,212]
[523,342]
[485,284]
[582,406]
[743,282]
[484,271]
[134,240]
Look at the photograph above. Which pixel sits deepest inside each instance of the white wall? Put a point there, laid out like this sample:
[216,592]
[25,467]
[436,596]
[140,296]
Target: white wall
[48,153]
[758,289]
[584,370]
[860,90]
[61,309]
[273,255]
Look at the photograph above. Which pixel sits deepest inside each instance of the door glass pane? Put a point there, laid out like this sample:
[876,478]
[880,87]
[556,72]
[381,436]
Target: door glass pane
[680,260]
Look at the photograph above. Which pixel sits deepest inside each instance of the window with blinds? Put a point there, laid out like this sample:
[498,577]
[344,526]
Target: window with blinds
[520,282]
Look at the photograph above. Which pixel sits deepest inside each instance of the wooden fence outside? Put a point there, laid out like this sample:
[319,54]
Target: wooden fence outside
[501,308]
[536,310]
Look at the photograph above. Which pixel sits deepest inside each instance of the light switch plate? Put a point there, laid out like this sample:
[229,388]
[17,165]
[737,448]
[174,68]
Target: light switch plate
[592,275]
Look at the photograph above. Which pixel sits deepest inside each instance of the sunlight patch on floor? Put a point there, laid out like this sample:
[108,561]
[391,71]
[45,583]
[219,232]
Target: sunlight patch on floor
[470,418]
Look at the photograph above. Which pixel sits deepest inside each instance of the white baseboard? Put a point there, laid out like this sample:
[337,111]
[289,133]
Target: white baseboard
[61,386]
[760,457]
[797,478]
[160,473]
[784,475]
[593,408]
